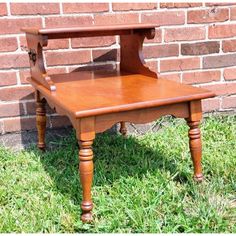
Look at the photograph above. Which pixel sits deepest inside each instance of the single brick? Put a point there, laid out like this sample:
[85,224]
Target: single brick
[180,4]
[67,57]
[105,55]
[229,102]
[14,60]
[19,124]
[68,21]
[164,18]
[219,61]
[116,18]
[210,104]
[3,9]
[229,45]
[93,42]
[180,64]
[213,4]
[34,8]
[17,93]
[58,44]
[11,109]
[222,31]
[208,16]
[221,88]
[185,34]
[200,48]
[173,77]
[13,26]
[230,74]
[7,78]
[8,44]
[84,7]
[156,51]
[233,13]
[133,6]
[56,70]
[201,77]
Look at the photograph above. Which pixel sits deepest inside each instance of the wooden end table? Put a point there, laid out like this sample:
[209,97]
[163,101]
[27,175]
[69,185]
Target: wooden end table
[96,100]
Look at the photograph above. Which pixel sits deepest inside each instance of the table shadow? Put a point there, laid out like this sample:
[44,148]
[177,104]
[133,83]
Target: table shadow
[114,157]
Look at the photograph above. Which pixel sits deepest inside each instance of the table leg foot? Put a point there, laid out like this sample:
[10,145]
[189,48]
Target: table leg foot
[198,178]
[195,145]
[123,129]
[86,178]
[41,123]
[87,216]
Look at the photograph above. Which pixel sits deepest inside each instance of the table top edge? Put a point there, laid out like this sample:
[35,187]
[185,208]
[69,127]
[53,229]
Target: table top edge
[88,28]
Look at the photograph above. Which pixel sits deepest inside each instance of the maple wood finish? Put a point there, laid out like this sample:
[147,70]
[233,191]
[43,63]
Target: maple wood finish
[96,100]
[41,121]
[86,177]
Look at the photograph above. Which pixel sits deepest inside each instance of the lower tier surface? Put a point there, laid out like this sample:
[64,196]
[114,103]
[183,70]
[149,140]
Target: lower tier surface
[94,93]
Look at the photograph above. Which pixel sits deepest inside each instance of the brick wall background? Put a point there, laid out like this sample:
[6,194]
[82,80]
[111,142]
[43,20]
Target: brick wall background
[195,44]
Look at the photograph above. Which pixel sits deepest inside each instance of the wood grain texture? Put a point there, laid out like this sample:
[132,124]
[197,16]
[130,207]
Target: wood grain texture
[141,116]
[38,72]
[115,92]
[41,122]
[89,31]
[195,146]
[94,101]
[38,38]
[131,47]
[86,178]
[195,143]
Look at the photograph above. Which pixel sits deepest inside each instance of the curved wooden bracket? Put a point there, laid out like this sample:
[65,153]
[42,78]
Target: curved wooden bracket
[37,68]
[131,56]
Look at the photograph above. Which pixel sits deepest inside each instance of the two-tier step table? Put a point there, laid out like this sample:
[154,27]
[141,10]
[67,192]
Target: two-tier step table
[96,100]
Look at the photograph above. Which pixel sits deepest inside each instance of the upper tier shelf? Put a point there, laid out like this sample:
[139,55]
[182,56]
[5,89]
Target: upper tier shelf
[86,31]
[131,40]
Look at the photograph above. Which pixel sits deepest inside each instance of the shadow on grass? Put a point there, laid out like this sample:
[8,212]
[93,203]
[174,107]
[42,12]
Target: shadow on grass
[114,157]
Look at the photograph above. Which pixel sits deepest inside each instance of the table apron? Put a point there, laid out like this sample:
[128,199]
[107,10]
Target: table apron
[141,116]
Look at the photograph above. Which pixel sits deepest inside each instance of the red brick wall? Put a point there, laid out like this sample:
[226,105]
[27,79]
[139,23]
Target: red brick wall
[195,44]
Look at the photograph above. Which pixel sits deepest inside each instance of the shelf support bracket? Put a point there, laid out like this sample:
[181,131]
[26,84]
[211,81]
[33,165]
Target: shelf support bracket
[131,55]
[37,68]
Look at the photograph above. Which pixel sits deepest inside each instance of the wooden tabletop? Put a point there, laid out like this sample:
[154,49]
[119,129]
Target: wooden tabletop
[92,93]
[87,29]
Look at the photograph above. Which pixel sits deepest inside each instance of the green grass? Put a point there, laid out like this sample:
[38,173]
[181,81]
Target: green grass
[141,183]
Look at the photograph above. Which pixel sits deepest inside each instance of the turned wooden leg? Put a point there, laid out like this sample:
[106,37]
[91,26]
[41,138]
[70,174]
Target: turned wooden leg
[86,178]
[41,123]
[195,148]
[123,129]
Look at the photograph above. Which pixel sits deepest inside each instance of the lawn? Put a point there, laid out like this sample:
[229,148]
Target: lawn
[141,183]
